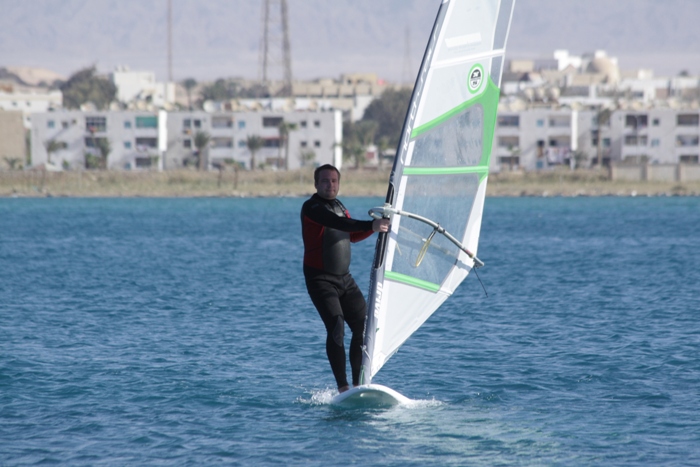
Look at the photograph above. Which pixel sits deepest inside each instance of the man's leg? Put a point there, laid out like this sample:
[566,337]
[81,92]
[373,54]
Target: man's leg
[355,311]
[324,296]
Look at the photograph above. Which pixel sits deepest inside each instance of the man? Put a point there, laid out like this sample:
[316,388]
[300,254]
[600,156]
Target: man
[328,230]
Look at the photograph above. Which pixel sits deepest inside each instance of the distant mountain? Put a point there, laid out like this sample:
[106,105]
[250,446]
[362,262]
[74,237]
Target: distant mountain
[215,38]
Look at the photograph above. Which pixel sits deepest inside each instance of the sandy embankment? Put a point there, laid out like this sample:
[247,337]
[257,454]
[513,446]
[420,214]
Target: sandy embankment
[186,183]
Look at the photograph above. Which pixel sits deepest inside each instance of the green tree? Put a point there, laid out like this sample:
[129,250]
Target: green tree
[254,143]
[201,141]
[306,157]
[389,112]
[356,138]
[105,147]
[189,84]
[85,86]
[52,146]
[284,129]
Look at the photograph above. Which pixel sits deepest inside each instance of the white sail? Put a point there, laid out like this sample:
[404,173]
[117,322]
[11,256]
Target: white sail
[438,182]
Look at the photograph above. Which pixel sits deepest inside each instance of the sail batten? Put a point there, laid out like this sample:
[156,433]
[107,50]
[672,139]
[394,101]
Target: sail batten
[438,182]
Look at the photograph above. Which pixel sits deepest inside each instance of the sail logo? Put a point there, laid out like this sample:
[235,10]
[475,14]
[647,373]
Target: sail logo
[476,77]
[378,298]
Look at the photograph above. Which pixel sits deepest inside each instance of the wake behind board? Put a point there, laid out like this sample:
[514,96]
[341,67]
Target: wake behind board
[369,396]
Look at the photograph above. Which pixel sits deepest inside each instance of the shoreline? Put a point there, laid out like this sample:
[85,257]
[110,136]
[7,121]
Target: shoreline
[299,183]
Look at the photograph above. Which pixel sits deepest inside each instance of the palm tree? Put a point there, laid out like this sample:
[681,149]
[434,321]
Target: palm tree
[105,147]
[189,84]
[201,141]
[51,146]
[356,139]
[284,129]
[254,144]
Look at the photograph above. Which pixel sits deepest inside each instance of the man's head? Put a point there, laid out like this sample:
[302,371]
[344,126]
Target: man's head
[327,181]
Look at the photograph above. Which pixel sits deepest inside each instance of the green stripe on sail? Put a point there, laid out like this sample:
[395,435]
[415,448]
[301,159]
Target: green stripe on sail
[489,102]
[398,277]
[479,169]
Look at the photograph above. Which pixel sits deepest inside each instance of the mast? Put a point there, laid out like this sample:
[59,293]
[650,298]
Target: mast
[375,293]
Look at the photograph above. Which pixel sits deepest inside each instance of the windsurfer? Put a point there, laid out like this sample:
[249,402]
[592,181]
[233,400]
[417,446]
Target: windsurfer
[327,231]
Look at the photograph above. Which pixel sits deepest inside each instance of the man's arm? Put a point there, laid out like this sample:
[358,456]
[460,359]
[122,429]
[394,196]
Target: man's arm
[319,214]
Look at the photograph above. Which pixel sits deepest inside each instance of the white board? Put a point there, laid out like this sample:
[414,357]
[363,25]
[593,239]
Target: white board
[369,396]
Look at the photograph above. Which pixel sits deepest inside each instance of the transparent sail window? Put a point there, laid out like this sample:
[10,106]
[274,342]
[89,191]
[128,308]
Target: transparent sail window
[445,199]
[455,143]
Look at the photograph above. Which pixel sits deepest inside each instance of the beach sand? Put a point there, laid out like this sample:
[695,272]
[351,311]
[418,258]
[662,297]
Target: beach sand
[363,182]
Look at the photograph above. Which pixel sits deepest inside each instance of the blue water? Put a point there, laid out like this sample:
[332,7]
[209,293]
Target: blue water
[179,332]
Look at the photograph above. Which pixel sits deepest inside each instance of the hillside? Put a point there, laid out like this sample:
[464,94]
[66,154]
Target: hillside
[220,37]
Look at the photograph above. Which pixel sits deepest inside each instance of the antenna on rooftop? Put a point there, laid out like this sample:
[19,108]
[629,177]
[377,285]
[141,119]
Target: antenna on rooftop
[170,41]
[274,45]
[407,76]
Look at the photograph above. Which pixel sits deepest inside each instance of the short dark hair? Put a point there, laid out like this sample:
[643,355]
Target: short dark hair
[317,172]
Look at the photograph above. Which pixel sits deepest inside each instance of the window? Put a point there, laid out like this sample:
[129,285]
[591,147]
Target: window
[540,122]
[302,124]
[304,144]
[655,142]
[143,162]
[635,140]
[272,122]
[242,143]
[510,161]
[688,119]
[91,142]
[559,121]
[636,121]
[509,142]
[127,144]
[187,123]
[186,143]
[65,124]
[687,140]
[317,123]
[220,142]
[656,122]
[127,124]
[509,121]
[96,124]
[198,124]
[147,122]
[317,144]
[143,144]
[222,122]
[689,159]
[51,124]
[271,143]
[241,124]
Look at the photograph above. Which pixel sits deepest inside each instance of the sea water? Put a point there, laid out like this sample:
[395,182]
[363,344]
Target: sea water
[179,332]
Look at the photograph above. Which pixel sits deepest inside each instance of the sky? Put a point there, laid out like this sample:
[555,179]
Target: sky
[221,38]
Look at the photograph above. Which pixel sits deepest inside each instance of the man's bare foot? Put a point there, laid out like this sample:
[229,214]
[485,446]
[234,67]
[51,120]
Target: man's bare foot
[343,389]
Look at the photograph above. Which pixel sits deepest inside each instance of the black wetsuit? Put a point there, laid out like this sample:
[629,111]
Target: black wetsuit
[328,230]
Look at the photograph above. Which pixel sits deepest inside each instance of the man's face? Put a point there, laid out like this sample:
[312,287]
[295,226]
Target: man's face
[328,184]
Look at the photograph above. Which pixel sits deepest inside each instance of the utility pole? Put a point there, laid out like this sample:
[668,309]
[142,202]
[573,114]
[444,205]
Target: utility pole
[275,47]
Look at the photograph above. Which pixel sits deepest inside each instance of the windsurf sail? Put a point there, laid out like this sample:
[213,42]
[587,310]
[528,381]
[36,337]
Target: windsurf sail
[438,182]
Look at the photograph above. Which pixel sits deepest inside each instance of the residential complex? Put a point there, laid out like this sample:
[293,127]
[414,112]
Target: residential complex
[540,137]
[167,140]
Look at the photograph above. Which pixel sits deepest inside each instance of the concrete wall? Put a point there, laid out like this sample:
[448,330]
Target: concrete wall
[655,172]
[12,138]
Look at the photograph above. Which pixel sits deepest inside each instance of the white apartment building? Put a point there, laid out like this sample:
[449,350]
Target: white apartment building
[141,86]
[29,101]
[166,140]
[538,138]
